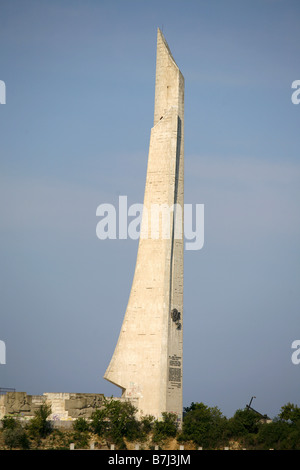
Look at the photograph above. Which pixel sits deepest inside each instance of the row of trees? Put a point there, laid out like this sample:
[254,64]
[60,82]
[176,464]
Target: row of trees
[207,427]
[115,423]
[203,426]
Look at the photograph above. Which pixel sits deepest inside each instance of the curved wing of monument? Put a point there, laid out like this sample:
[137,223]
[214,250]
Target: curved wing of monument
[147,361]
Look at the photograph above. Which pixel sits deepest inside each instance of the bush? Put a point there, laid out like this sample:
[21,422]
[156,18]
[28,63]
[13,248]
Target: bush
[39,426]
[275,435]
[244,422]
[99,422]
[146,425]
[204,426]
[115,421]
[14,435]
[81,425]
[9,422]
[165,428]
[81,434]
[290,412]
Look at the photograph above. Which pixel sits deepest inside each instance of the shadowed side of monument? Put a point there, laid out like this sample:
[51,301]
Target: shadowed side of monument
[147,361]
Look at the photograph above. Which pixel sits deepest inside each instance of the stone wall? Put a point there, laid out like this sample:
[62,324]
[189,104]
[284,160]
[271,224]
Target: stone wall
[64,406]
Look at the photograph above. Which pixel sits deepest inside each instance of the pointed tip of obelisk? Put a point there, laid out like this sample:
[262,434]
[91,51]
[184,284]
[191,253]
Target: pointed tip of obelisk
[160,37]
[168,76]
[162,40]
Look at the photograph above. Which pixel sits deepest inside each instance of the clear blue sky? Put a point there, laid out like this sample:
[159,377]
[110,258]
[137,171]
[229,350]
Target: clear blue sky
[74,134]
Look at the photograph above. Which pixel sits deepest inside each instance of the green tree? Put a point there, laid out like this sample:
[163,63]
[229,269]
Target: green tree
[243,422]
[14,434]
[205,426]
[40,426]
[81,425]
[115,421]
[285,429]
[164,428]
[81,429]
[146,424]
[99,422]
[275,435]
[290,412]
[9,422]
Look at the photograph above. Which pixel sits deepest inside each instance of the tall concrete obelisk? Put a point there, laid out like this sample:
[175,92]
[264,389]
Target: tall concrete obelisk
[147,361]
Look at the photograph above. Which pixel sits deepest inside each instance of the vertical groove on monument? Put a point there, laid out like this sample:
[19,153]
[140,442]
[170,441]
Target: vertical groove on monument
[147,361]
